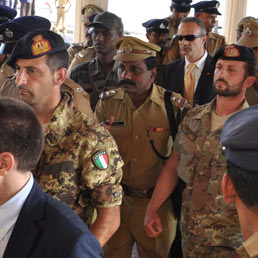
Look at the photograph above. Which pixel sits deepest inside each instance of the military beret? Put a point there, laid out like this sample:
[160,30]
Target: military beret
[235,53]
[182,6]
[90,9]
[249,28]
[35,44]
[134,49]
[207,7]
[239,138]
[109,21]
[157,25]
[6,13]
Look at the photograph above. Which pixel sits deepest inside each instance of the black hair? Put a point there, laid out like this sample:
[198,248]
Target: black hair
[58,60]
[150,62]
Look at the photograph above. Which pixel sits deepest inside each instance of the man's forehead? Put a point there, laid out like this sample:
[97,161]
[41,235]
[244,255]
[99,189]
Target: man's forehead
[99,27]
[132,63]
[235,63]
[190,27]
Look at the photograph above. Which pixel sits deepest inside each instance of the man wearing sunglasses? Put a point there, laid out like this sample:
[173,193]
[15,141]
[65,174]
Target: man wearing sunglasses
[196,63]
[207,12]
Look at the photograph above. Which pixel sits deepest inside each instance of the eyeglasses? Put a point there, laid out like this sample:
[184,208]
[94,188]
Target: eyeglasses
[188,37]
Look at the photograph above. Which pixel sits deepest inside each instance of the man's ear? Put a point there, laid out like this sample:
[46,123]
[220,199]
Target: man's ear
[60,76]
[7,162]
[249,81]
[228,190]
[153,73]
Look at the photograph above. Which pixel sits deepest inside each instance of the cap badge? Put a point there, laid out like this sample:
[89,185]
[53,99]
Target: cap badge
[231,51]
[90,11]
[128,49]
[8,33]
[162,26]
[247,32]
[40,45]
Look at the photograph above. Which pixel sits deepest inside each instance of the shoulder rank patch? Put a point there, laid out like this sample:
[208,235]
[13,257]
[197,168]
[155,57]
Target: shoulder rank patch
[107,94]
[179,101]
[100,160]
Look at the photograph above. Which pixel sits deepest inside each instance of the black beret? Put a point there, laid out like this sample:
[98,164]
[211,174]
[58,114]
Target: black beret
[35,44]
[183,6]
[235,53]
[240,138]
[157,25]
[6,13]
[207,7]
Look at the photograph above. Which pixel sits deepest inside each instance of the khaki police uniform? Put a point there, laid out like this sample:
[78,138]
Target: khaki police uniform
[137,128]
[80,97]
[61,12]
[5,72]
[209,226]
[214,42]
[75,49]
[83,56]
[172,26]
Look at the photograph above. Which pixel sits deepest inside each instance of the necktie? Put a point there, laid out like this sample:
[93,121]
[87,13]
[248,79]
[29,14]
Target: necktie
[189,83]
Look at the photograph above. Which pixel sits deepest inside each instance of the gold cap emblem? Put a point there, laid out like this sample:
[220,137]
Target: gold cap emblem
[231,51]
[40,45]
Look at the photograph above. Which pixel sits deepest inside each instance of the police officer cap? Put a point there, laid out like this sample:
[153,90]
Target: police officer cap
[36,44]
[182,6]
[6,13]
[157,25]
[207,7]
[249,37]
[90,9]
[109,21]
[134,49]
[235,53]
[240,138]
[12,31]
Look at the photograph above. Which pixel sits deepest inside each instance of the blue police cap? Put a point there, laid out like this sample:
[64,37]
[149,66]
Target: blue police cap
[157,25]
[36,44]
[12,31]
[239,138]
[182,6]
[207,7]
[6,13]
[235,52]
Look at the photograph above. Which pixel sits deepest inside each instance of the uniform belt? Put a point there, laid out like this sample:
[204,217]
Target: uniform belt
[137,193]
[60,7]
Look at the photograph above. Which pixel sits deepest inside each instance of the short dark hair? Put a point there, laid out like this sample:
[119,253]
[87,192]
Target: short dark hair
[245,183]
[250,69]
[20,133]
[58,60]
[150,62]
[196,21]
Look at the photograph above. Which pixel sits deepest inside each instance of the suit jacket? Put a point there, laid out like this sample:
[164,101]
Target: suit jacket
[46,228]
[173,80]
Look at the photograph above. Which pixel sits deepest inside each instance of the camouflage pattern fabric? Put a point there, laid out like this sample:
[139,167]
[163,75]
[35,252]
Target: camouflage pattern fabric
[68,168]
[205,219]
[91,77]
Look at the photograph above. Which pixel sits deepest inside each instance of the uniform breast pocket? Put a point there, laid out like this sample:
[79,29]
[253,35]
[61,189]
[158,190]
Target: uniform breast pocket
[121,135]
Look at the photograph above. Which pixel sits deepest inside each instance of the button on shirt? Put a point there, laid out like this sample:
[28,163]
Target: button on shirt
[198,68]
[9,213]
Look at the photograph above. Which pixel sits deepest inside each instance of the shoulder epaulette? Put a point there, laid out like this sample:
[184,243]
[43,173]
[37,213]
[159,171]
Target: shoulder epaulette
[107,94]
[179,101]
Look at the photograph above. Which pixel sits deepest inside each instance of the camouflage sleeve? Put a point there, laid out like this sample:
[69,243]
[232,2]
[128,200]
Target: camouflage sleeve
[102,169]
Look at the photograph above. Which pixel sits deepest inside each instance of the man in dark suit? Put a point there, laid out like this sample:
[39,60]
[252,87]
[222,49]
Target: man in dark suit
[191,37]
[32,224]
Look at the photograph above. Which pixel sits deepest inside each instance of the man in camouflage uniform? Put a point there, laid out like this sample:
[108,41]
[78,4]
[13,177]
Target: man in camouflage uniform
[87,11]
[100,74]
[239,138]
[142,132]
[209,227]
[249,38]
[80,164]
[207,12]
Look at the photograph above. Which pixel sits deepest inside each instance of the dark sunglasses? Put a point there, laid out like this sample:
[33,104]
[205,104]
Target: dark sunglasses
[188,37]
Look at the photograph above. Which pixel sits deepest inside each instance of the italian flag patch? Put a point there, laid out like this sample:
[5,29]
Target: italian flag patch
[101,160]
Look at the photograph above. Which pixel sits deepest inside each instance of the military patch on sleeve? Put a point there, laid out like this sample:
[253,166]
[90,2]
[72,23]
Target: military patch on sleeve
[100,160]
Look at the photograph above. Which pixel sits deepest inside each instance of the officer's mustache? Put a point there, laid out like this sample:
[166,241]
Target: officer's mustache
[221,80]
[127,82]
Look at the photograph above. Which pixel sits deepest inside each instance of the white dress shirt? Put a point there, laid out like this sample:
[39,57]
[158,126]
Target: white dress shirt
[198,68]
[9,213]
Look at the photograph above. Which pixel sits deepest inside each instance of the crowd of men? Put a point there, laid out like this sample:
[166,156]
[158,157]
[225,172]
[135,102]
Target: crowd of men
[117,142]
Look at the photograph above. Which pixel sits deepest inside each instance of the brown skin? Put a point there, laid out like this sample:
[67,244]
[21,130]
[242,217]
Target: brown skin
[157,38]
[209,19]
[176,16]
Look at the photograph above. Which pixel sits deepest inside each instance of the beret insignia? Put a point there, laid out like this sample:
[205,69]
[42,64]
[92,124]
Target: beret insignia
[231,51]
[40,45]
[100,160]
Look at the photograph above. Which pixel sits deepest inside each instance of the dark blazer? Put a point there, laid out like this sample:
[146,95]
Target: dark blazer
[173,80]
[47,228]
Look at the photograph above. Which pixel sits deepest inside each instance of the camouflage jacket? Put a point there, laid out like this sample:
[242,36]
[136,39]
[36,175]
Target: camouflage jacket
[91,77]
[80,164]
[205,218]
